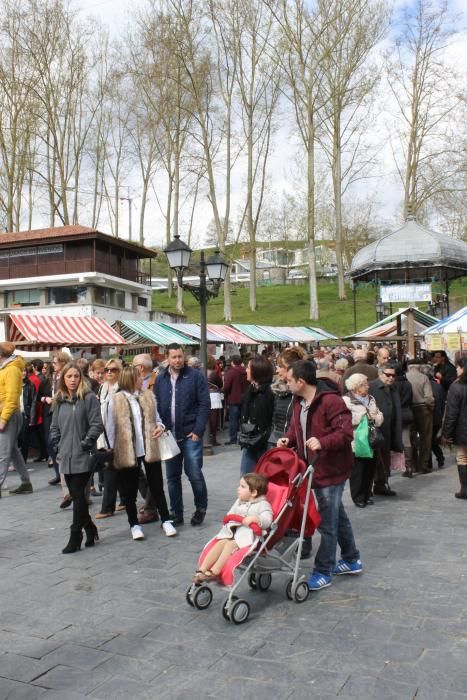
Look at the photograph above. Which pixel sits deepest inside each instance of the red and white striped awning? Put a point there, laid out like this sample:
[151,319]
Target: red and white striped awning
[75,331]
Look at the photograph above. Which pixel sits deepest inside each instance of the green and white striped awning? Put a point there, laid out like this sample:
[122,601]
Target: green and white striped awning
[137,332]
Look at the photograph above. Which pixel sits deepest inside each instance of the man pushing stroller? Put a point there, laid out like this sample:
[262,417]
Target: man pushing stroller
[321,422]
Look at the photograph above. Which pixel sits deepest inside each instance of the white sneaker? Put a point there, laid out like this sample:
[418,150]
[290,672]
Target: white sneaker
[168,528]
[137,532]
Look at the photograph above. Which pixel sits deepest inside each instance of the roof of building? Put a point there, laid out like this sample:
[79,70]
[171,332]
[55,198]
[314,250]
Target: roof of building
[71,231]
[412,253]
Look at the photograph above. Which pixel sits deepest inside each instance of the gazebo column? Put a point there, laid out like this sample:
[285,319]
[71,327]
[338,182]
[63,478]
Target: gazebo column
[446,282]
[399,334]
[410,333]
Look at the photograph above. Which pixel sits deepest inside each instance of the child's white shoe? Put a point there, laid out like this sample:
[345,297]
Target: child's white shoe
[168,528]
[137,532]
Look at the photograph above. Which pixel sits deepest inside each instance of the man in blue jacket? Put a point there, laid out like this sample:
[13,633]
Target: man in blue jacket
[183,403]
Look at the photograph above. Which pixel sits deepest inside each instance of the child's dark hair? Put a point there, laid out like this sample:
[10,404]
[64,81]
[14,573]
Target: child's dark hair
[256,482]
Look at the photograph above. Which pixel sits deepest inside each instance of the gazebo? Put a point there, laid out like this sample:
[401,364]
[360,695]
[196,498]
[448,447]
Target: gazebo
[409,256]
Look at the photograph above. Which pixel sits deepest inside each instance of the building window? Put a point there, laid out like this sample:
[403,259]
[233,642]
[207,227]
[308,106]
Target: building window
[67,295]
[103,295]
[120,299]
[24,297]
[142,301]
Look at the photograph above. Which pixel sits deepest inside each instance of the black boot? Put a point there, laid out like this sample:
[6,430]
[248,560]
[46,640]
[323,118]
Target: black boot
[92,534]
[462,469]
[74,543]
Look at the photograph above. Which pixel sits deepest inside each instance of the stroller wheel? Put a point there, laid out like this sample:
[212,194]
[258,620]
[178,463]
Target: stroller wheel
[239,612]
[226,606]
[263,582]
[202,597]
[300,591]
[188,595]
[252,581]
[288,589]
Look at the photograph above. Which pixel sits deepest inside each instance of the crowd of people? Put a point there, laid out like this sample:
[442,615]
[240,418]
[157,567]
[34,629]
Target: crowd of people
[99,427]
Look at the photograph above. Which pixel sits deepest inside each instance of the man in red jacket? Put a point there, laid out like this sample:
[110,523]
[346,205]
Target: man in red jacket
[322,423]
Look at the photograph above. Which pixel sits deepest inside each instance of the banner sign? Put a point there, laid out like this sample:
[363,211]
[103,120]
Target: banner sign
[395,293]
[453,341]
[435,341]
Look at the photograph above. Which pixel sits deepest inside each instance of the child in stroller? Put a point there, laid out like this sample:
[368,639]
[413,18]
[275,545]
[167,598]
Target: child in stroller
[246,520]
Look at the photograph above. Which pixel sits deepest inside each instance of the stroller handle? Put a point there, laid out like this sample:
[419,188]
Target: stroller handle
[308,472]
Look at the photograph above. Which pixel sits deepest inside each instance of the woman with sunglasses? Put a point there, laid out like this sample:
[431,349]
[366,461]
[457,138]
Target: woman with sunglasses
[106,393]
[76,425]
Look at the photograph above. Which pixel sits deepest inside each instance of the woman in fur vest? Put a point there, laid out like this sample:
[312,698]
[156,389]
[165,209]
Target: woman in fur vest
[133,427]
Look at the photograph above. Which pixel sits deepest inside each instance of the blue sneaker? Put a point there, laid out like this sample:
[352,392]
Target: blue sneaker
[317,581]
[348,567]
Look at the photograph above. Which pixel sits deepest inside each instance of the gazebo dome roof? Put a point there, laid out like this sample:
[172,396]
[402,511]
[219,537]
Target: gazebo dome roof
[410,254]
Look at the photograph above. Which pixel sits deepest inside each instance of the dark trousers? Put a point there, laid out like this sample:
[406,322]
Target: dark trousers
[435,446]
[234,419]
[361,478]
[156,488]
[109,498]
[383,467]
[77,485]
[23,438]
[421,436]
[128,487]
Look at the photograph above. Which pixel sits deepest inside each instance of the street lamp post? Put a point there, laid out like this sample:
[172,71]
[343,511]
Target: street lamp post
[380,310]
[212,273]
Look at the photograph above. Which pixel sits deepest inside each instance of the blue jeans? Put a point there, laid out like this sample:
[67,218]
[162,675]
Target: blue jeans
[335,529]
[190,459]
[234,415]
[250,457]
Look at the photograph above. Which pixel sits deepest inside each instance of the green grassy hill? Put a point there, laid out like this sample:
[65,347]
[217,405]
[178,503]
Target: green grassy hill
[288,306]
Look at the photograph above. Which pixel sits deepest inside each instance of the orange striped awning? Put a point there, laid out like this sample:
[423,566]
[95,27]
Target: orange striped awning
[32,329]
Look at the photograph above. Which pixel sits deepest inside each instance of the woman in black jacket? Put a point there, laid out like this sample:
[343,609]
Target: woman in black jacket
[455,422]
[29,412]
[256,413]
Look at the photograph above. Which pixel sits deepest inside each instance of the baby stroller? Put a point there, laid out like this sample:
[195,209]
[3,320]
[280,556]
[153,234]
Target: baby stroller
[294,509]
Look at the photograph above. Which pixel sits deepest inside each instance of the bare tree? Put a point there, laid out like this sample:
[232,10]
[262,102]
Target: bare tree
[426,91]
[347,42]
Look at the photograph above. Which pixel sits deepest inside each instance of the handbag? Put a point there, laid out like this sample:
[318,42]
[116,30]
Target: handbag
[168,446]
[361,446]
[251,435]
[102,458]
[375,435]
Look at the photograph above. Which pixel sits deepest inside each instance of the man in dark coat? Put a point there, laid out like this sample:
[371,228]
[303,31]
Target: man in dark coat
[322,423]
[388,401]
[235,386]
[445,372]
[404,388]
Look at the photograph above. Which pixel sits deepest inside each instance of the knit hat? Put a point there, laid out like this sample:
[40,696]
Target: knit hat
[7,349]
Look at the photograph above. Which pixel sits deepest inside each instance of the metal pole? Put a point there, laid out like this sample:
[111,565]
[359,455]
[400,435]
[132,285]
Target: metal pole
[447,295]
[203,350]
[354,296]
[129,217]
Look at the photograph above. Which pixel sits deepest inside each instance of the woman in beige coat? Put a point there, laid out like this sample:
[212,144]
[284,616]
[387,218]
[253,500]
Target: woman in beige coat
[361,404]
[133,426]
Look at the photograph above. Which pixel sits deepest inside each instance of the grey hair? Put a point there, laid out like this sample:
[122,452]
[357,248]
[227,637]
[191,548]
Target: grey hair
[143,359]
[426,369]
[194,361]
[355,380]
[322,363]
[341,363]
[360,355]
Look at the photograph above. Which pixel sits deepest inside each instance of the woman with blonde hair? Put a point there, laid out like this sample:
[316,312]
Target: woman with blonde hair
[76,425]
[107,391]
[133,428]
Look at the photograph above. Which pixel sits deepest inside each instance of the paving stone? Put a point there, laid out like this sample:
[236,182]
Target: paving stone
[21,668]
[76,656]
[64,678]
[113,620]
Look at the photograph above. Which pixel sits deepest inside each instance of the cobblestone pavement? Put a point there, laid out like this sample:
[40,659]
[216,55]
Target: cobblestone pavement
[112,621]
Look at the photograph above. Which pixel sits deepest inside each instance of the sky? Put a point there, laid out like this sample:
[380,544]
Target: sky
[385,185]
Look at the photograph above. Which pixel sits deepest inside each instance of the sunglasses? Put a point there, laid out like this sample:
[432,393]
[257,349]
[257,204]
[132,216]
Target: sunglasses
[111,369]
[388,374]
